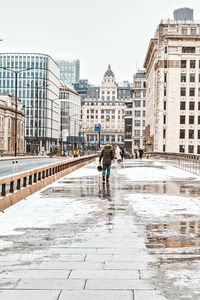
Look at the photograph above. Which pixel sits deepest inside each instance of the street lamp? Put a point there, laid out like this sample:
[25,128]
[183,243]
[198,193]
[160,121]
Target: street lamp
[16,79]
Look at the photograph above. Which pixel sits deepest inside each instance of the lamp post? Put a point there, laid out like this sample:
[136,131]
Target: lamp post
[16,80]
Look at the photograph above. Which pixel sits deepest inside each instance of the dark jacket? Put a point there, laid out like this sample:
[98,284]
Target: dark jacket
[107,154]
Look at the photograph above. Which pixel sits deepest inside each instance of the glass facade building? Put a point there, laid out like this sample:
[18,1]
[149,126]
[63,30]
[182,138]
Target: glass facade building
[37,87]
[69,71]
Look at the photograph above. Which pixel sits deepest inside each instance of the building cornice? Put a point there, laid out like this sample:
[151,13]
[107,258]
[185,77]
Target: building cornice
[150,50]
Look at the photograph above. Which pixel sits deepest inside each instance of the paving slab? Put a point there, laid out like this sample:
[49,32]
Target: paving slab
[50,284]
[148,295]
[28,295]
[35,274]
[104,274]
[97,295]
[118,284]
[73,265]
[8,283]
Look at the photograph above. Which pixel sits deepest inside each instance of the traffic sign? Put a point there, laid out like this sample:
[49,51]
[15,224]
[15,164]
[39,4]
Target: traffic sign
[97,127]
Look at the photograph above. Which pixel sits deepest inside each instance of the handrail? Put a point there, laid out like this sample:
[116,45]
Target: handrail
[26,183]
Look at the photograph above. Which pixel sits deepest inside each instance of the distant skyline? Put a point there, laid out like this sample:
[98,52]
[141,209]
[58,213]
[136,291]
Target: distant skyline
[97,32]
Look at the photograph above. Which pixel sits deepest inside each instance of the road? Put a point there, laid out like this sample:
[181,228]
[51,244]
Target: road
[10,167]
[79,239]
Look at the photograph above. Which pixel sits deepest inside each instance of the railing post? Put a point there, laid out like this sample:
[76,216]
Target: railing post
[39,176]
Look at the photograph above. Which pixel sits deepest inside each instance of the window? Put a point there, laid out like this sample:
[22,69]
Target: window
[137,142]
[164,119]
[198,120]
[192,77]
[137,94]
[137,113]
[165,63]
[188,49]
[182,119]
[190,149]
[144,113]
[136,132]
[144,103]
[183,92]
[165,49]
[198,92]
[191,134]
[193,31]
[183,64]
[191,119]
[198,149]
[191,105]
[182,133]
[165,92]
[164,132]
[138,84]
[192,64]
[184,30]
[182,105]
[137,122]
[137,103]
[192,92]
[143,122]
[198,105]
[198,134]
[182,148]
[165,105]
[144,94]
[165,77]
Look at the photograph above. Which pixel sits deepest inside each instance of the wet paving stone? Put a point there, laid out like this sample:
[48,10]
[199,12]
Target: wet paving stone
[137,237]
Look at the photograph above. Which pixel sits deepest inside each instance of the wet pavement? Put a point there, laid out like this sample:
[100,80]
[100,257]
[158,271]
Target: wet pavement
[136,238]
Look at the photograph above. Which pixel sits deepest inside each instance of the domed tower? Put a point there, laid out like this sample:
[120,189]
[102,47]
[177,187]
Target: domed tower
[109,77]
[108,89]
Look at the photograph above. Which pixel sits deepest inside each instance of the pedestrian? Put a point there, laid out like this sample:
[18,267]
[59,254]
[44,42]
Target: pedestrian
[76,152]
[118,154]
[141,153]
[122,154]
[107,154]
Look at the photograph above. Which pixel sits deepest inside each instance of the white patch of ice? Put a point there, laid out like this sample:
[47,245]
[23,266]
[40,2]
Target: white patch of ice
[164,173]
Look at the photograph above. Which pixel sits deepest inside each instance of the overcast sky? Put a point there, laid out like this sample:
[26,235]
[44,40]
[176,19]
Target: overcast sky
[97,32]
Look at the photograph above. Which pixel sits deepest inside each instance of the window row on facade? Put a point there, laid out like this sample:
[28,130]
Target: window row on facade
[191,63]
[191,92]
[192,77]
[190,134]
[191,120]
[182,149]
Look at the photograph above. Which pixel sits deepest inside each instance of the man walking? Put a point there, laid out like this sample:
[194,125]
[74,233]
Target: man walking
[108,155]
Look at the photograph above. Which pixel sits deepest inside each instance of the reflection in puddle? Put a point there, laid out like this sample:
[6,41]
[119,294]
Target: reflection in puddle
[174,234]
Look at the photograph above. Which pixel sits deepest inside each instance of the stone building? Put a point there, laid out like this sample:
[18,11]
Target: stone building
[104,105]
[7,125]
[173,86]
[70,105]
[138,93]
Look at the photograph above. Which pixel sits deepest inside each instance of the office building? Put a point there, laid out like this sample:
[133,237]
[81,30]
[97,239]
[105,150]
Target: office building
[69,70]
[105,105]
[70,122]
[173,86]
[38,88]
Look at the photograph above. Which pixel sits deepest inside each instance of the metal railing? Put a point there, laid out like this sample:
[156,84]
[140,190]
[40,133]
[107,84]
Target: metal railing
[188,162]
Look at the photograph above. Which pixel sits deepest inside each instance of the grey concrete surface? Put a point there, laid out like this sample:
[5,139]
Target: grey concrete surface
[136,238]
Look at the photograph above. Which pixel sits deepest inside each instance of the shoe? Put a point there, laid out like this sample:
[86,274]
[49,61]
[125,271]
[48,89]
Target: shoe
[103,177]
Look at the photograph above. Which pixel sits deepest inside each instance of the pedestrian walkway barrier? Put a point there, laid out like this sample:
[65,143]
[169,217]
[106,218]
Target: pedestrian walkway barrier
[17,187]
[188,162]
